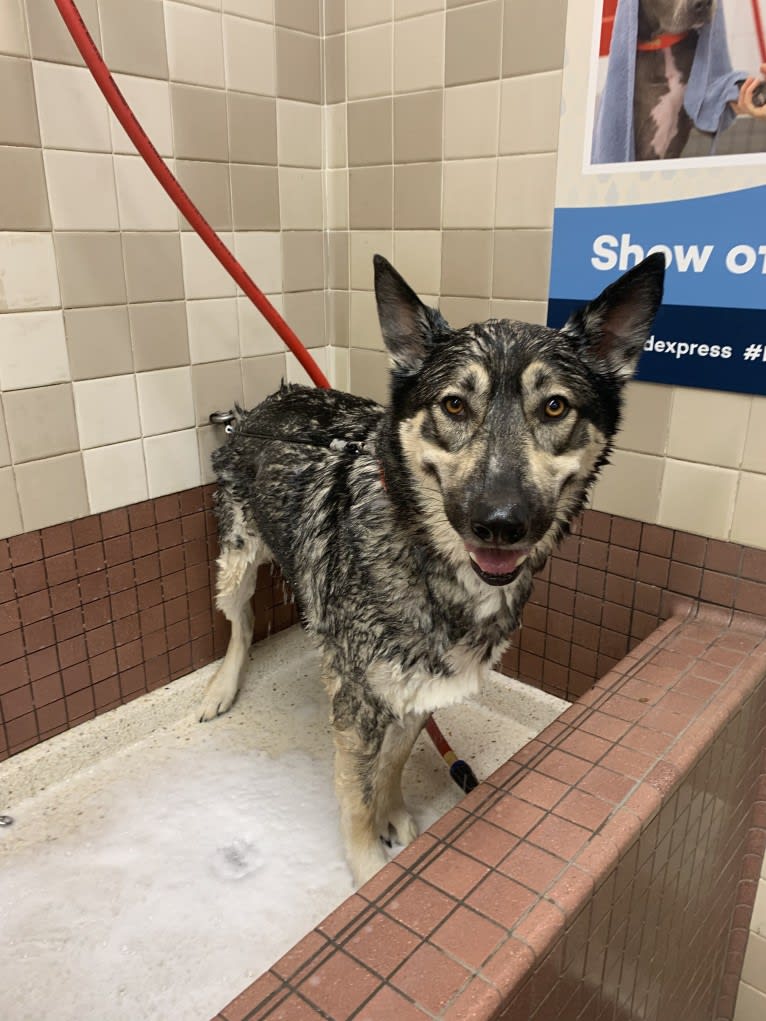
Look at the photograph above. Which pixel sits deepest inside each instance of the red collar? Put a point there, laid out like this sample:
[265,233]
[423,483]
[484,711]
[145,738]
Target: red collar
[661,42]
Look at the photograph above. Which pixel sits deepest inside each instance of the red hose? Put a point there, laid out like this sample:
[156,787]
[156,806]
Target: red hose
[178,196]
[439,740]
[759,29]
[84,43]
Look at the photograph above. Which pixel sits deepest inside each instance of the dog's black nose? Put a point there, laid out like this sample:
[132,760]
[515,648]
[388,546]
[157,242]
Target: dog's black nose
[700,7]
[500,526]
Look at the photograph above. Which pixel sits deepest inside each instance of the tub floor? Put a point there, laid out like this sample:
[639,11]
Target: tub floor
[162,878]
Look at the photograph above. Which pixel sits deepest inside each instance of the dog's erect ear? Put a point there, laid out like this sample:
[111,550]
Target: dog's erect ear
[612,330]
[408,326]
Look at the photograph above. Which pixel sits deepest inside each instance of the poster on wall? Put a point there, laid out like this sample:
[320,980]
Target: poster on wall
[663,148]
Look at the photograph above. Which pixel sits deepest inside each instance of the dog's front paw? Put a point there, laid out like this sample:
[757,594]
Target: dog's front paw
[212,707]
[366,861]
[405,826]
[218,698]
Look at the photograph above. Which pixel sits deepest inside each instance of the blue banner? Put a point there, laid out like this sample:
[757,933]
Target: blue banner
[710,348]
[711,330]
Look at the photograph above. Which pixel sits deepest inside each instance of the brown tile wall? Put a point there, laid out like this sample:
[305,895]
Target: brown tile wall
[100,610]
[608,587]
[607,871]
[96,611]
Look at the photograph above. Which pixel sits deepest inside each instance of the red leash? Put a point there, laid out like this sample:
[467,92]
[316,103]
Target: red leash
[95,62]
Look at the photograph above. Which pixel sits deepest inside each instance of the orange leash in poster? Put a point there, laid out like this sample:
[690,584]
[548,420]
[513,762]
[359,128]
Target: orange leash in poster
[460,771]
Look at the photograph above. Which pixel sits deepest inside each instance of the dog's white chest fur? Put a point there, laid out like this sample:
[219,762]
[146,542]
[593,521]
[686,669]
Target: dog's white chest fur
[667,110]
[421,693]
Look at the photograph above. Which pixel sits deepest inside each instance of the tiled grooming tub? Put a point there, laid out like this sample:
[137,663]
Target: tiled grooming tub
[610,867]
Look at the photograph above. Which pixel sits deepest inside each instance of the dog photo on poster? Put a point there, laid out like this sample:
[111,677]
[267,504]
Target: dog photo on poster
[663,149]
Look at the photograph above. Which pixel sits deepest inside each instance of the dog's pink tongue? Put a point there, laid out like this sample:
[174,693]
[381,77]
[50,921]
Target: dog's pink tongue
[497,561]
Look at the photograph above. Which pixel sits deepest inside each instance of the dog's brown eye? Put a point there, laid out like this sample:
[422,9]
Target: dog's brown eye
[453,405]
[556,407]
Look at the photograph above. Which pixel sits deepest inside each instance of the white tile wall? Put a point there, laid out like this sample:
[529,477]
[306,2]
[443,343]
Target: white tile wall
[525,191]
[13,34]
[70,108]
[256,337]
[336,199]
[418,257]
[136,431]
[297,374]
[213,329]
[150,101]
[751,1004]
[708,427]
[751,1000]
[697,498]
[107,410]
[471,120]
[301,199]
[299,133]
[364,245]
[172,462]
[369,59]
[758,921]
[260,252]
[195,45]
[142,202]
[335,135]
[10,514]
[32,350]
[747,524]
[754,458]
[165,400]
[469,193]
[115,475]
[529,113]
[204,277]
[362,13]
[249,56]
[82,190]
[261,10]
[630,486]
[419,53]
[28,272]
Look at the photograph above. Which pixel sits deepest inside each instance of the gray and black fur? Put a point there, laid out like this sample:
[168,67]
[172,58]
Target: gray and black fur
[412,553]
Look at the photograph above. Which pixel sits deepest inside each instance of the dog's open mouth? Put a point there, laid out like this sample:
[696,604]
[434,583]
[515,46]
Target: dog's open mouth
[496,566]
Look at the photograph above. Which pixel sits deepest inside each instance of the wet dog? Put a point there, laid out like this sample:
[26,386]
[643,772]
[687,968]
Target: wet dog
[410,534]
[667,43]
